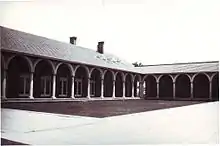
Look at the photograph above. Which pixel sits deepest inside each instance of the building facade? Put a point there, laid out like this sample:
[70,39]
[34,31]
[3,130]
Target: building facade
[37,68]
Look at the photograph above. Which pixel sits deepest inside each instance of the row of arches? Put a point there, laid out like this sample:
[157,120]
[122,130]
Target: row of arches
[166,88]
[44,79]
[67,82]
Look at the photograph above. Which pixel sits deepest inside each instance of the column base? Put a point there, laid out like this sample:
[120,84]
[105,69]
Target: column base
[31,97]
[4,98]
[53,97]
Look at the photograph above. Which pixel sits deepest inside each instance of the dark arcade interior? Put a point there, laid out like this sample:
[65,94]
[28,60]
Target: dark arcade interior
[119,85]
[128,85]
[82,74]
[63,71]
[96,77]
[150,86]
[201,86]
[108,84]
[18,66]
[166,87]
[183,88]
[43,69]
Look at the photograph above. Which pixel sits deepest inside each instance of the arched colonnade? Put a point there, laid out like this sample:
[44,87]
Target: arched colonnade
[42,78]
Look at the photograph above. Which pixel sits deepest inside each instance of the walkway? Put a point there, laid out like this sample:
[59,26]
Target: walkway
[189,124]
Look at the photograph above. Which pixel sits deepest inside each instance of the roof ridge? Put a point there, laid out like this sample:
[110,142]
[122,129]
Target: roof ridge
[181,63]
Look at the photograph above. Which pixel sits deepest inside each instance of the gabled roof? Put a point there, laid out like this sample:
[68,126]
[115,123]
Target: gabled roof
[17,41]
[14,40]
[212,66]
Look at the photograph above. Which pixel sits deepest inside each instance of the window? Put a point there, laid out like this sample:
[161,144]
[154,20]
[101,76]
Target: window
[63,86]
[45,86]
[78,87]
[92,88]
[24,85]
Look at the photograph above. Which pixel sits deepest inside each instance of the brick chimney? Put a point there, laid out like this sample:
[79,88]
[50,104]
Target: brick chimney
[73,40]
[100,47]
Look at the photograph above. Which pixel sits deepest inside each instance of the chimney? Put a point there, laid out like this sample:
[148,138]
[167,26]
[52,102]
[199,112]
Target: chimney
[73,40]
[100,47]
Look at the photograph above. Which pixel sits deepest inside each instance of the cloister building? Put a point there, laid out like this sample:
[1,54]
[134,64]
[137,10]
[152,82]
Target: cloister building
[37,68]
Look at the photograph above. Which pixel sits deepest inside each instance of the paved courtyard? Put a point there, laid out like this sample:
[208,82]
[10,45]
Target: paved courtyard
[100,109]
[181,125]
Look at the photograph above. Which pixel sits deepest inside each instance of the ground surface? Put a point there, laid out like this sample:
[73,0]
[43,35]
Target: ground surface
[194,124]
[9,142]
[99,108]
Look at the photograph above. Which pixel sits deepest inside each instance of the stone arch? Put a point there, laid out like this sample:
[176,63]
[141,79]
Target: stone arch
[201,86]
[137,80]
[193,77]
[18,77]
[71,69]
[119,79]
[183,86]
[150,86]
[108,83]
[63,80]
[85,67]
[128,85]
[48,61]
[95,87]
[100,70]
[144,78]
[158,79]
[43,77]
[215,87]
[112,72]
[129,74]
[165,87]
[81,81]
[30,64]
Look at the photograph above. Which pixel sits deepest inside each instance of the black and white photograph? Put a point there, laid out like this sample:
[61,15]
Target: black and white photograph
[109,72]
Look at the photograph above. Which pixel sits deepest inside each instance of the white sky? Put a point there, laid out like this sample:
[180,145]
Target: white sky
[148,31]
